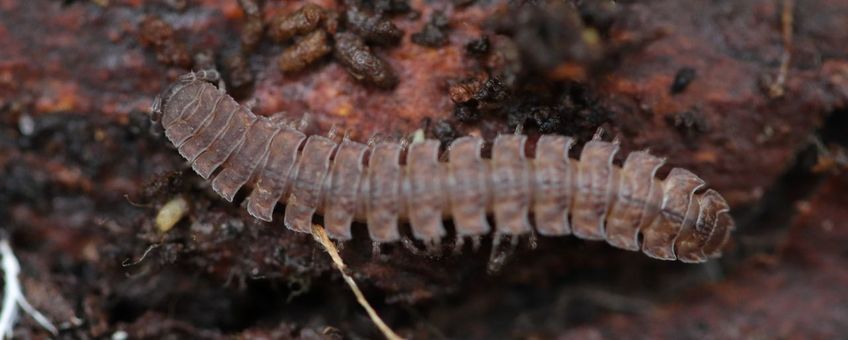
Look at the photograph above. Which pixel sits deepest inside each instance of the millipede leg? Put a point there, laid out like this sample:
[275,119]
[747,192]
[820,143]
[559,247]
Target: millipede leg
[476,242]
[411,247]
[375,139]
[303,122]
[333,134]
[498,256]
[405,142]
[599,134]
[280,118]
[434,247]
[532,240]
[458,242]
[376,252]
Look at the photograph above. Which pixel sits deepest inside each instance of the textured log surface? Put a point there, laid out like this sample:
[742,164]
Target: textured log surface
[76,78]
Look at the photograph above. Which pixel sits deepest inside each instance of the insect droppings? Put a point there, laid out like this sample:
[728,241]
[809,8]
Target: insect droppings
[301,21]
[373,28]
[305,51]
[361,63]
[251,32]
[682,79]
[161,36]
[434,33]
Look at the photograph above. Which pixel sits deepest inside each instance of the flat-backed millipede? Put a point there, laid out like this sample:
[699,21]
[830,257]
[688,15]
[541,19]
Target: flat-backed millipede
[590,197]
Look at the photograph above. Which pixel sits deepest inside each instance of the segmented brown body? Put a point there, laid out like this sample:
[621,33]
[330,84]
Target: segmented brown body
[591,198]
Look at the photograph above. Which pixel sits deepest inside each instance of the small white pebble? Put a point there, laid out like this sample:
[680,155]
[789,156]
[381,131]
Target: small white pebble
[26,125]
[171,213]
[120,335]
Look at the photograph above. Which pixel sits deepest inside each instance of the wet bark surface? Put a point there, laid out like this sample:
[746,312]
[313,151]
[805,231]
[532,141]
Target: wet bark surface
[83,172]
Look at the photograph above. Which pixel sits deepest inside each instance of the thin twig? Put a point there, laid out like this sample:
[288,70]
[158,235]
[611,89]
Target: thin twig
[14,297]
[320,236]
[777,89]
[129,262]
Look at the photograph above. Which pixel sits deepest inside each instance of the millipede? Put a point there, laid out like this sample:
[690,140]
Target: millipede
[675,218]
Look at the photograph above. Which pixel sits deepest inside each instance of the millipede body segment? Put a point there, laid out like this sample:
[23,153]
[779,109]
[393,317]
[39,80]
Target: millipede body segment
[385,184]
